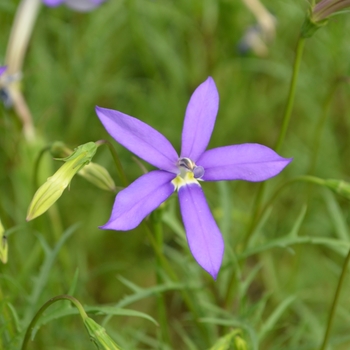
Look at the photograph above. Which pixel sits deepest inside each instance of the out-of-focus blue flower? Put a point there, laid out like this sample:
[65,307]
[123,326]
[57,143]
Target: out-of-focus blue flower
[249,161]
[78,5]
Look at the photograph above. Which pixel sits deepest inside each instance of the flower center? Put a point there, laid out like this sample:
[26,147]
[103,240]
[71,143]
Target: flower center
[189,173]
[187,165]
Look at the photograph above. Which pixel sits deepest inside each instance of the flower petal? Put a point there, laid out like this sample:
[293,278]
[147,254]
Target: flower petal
[140,198]
[83,5]
[2,69]
[248,161]
[52,3]
[199,120]
[139,138]
[203,235]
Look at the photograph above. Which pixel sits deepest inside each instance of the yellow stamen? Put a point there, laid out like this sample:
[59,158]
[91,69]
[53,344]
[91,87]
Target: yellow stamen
[184,179]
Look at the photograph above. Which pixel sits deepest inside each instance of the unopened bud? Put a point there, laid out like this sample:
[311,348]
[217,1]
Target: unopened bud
[92,172]
[3,245]
[53,188]
[232,340]
[327,8]
[99,176]
[240,343]
[319,14]
[99,335]
[339,186]
[310,27]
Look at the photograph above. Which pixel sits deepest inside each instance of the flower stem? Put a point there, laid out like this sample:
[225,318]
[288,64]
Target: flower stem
[190,302]
[36,167]
[116,159]
[158,230]
[286,119]
[305,178]
[43,308]
[291,93]
[335,302]
[321,123]
[258,214]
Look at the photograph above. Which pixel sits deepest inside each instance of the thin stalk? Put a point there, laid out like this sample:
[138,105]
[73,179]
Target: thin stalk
[6,318]
[260,213]
[158,230]
[291,93]
[321,123]
[43,308]
[306,178]
[282,135]
[117,162]
[335,303]
[36,167]
[187,297]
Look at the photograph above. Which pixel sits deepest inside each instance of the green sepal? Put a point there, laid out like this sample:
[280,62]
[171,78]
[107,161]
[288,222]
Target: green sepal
[87,151]
[309,27]
[99,335]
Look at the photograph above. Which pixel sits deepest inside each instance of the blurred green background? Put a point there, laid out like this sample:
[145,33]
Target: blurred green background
[145,58]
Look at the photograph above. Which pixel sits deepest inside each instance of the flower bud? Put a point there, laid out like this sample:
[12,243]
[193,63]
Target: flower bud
[240,343]
[319,14]
[92,172]
[3,245]
[53,188]
[99,176]
[327,8]
[339,186]
[99,335]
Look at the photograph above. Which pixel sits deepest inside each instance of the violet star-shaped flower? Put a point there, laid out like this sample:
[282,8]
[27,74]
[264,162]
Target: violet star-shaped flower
[77,5]
[249,161]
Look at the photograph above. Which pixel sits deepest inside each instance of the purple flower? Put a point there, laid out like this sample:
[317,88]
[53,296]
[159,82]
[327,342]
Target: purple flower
[78,5]
[249,161]
[2,70]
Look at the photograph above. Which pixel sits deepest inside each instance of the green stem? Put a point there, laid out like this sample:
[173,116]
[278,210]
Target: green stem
[256,215]
[191,302]
[259,213]
[321,123]
[281,137]
[291,93]
[306,178]
[36,167]
[43,308]
[116,159]
[158,230]
[335,302]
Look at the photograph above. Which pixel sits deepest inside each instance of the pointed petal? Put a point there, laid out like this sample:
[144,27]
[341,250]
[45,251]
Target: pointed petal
[52,3]
[139,138]
[83,5]
[199,120]
[139,199]
[203,235]
[248,161]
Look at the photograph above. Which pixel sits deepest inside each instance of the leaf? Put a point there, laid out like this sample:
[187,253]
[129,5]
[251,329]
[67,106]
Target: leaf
[270,323]
[41,280]
[337,216]
[96,310]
